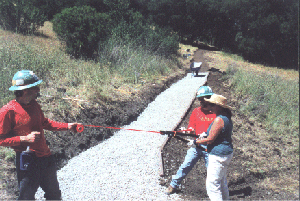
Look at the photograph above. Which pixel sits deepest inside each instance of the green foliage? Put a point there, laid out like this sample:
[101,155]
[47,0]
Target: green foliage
[135,30]
[56,6]
[16,55]
[81,28]
[268,99]
[260,30]
[134,62]
[121,63]
[168,13]
[194,20]
[7,153]
[22,16]
[267,32]
[118,9]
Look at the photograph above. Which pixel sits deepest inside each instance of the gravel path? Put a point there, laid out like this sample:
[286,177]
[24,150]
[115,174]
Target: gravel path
[126,166]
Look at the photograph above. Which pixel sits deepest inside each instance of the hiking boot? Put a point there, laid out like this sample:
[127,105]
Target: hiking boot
[170,190]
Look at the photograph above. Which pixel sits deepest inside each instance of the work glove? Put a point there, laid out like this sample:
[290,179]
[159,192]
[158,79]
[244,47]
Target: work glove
[192,130]
[203,135]
[190,143]
[182,128]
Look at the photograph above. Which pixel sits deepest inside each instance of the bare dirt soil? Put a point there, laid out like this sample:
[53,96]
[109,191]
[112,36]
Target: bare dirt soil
[243,183]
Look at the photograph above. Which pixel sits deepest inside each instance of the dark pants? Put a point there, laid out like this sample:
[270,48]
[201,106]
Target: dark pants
[41,173]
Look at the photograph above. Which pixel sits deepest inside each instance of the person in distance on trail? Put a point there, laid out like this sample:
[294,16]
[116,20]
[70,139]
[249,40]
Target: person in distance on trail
[200,120]
[219,148]
[22,125]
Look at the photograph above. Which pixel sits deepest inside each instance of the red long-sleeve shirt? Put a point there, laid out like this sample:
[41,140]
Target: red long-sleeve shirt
[19,120]
[200,120]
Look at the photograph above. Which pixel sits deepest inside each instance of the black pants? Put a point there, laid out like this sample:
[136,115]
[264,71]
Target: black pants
[42,172]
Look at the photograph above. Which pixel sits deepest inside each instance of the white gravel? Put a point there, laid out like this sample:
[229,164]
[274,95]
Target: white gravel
[126,166]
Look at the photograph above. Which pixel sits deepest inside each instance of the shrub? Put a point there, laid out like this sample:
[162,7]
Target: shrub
[136,30]
[81,28]
[22,16]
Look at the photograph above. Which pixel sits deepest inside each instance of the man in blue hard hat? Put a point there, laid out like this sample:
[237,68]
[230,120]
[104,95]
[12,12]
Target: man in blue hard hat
[22,125]
[200,120]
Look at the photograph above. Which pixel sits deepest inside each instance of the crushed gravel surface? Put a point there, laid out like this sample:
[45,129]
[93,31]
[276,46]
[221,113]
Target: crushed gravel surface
[126,166]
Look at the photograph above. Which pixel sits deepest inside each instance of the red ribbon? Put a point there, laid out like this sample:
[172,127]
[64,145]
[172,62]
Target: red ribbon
[80,128]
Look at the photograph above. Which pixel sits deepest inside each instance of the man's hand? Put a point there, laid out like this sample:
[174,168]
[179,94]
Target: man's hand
[73,126]
[33,137]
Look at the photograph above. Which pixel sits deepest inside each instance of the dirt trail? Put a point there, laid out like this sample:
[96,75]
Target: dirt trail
[243,182]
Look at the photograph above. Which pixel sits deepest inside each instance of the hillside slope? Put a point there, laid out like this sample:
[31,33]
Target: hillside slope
[260,183]
[263,167]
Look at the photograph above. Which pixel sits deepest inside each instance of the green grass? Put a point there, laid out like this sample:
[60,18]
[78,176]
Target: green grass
[119,65]
[15,55]
[7,153]
[269,99]
[235,57]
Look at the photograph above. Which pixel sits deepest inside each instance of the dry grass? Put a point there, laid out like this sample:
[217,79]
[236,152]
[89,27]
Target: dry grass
[289,183]
[222,61]
[258,89]
[85,91]
[49,43]
[84,80]
[47,30]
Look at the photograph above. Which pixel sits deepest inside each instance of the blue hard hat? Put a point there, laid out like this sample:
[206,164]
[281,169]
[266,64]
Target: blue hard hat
[204,91]
[24,79]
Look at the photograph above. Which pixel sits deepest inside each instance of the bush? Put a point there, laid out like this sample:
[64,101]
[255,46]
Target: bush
[152,38]
[81,28]
[22,17]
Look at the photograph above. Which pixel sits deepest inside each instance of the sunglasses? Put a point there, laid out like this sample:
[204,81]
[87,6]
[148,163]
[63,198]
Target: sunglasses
[211,104]
[34,88]
[202,98]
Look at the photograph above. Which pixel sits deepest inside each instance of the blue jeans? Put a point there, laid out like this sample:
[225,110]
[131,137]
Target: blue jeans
[41,173]
[193,155]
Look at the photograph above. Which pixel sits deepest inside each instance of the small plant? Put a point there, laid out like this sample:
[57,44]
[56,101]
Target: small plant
[7,153]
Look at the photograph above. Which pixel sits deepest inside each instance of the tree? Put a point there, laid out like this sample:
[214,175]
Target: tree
[81,28]
[261,31]
[267,32]
[22,16]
